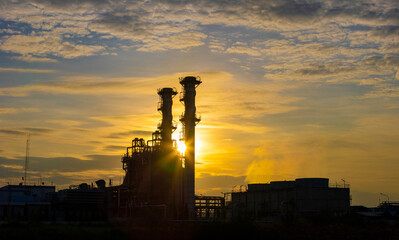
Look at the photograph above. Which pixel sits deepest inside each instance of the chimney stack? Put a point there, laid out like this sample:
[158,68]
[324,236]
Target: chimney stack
[165,106]
[189,121]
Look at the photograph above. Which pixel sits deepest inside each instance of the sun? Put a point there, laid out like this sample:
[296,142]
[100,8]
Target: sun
[181,147]
[180,144]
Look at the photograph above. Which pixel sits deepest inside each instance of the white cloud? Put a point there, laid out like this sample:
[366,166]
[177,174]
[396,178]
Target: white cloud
[154,22]
[46,45]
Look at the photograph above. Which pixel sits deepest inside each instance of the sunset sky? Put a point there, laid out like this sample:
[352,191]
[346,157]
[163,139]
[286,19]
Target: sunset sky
[290,88]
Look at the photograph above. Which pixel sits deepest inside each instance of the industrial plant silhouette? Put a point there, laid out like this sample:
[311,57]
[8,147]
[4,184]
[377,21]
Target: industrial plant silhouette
[159,185]
[159,179]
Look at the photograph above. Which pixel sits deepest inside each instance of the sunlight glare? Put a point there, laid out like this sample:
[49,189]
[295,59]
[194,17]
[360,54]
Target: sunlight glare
[181,147]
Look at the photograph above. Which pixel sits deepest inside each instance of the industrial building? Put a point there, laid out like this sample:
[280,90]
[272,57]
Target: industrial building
[302,197]
[159,183]
[22,201]
[159,179]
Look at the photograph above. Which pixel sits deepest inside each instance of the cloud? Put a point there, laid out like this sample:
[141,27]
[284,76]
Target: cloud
[244,50]
[81,6]
[166,25]
[94,85]
[25,130]
[333,71]
[64,122]
[322,69]
[47,45]
[385,31]
[390,48]
[214,185]
[378,60]
[182,40]
[68,164]
[116,148]
[260,14]
[12,132]
[37,130]
[129,133]
[29,58]
[386,63]
[334,49]
[383,91]
[63,171]
[293,12]
[24,70]
[84,85]
[123,26]
[11,166]
[17,110]
[330,148]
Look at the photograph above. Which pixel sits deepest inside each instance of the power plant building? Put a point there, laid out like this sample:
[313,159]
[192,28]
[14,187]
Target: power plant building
[160,183]
[25,201]
[304,196]
[159,179]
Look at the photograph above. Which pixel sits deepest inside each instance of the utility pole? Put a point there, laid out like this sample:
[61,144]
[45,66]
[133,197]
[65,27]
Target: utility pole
[27,156]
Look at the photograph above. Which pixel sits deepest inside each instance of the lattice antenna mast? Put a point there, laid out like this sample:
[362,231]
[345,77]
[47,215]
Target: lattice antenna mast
[27,157]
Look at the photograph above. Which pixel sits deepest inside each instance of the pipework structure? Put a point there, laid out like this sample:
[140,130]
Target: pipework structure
[189,119]
[159,180]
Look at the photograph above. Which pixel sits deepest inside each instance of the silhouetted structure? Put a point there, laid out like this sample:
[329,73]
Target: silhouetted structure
[81,203]
[159,179]
[25,201]
[189,120]
[160,184]
[304,196]
[209,207]
[384,212]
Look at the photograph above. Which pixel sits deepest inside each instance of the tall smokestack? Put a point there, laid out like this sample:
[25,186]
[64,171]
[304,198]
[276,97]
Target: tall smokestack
[165,106]
[189,120]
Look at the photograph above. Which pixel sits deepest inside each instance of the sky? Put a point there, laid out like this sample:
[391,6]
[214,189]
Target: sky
[290,89]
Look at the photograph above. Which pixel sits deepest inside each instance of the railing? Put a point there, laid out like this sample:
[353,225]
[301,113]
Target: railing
[337,185]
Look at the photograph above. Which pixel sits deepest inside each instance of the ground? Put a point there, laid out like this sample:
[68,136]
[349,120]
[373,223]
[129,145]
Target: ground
[199,230]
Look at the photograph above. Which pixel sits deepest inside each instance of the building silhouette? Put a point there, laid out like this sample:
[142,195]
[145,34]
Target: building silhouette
[159,183]
[301,197]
